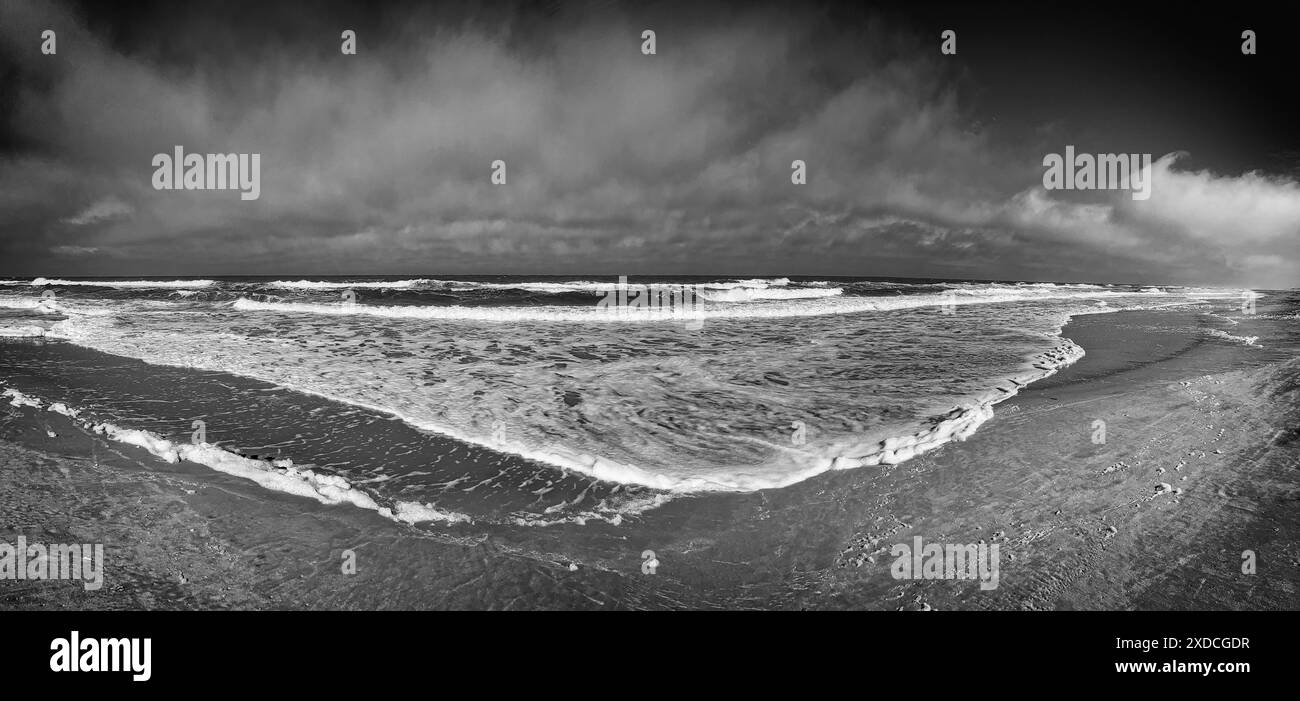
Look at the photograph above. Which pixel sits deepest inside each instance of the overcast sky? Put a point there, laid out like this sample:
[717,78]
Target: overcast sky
[918,164]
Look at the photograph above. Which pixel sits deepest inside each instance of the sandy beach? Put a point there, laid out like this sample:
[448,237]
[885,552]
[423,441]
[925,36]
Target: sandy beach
[1080,524]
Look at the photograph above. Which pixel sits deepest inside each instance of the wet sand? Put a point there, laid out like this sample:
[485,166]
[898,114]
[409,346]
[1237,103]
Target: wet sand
[1215,420]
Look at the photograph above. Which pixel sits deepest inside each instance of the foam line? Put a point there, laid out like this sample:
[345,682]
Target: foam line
[279,475]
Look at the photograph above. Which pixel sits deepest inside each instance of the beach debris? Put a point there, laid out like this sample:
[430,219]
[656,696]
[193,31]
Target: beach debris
[1163,488]
[1160,470]
[1178,491]
[51,434]
[1110,531]
[573,567]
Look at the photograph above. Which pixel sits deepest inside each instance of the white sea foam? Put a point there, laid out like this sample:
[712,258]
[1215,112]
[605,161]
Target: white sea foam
[26,331]
[603,512]
[162,284]
[957,425]
[1064,285]
[332,285]
[61,408]
[415,512]
[36,304]
[744,294]
[752,283]
[961,422]
[17,398]
[822,305]
[1243,340]
[460,313]
[596,287]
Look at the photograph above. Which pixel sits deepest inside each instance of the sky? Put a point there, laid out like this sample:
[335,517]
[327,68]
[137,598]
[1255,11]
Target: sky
[918,163]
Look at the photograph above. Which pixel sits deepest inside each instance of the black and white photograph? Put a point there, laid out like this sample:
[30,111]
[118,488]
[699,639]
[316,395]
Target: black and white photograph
[986,309]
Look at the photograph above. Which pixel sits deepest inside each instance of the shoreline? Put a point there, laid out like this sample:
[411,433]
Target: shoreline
[1029,473]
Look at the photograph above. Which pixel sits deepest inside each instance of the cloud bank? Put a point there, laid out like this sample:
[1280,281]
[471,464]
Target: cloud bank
[616,162]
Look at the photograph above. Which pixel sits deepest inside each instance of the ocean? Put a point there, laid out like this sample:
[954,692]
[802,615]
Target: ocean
[519,401]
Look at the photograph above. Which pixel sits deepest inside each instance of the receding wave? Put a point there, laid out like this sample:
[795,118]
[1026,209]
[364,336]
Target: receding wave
[779,464]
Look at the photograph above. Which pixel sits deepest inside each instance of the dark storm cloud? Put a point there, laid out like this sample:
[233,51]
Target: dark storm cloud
[617,162]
